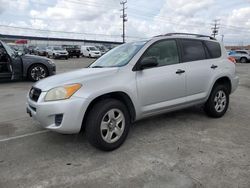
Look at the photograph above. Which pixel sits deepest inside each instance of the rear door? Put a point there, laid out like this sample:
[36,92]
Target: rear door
[200,67]
[163,86]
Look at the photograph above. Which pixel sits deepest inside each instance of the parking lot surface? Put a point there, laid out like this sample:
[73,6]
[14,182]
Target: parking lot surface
[179,149]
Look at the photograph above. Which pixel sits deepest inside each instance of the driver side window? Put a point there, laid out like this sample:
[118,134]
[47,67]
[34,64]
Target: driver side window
[165,52]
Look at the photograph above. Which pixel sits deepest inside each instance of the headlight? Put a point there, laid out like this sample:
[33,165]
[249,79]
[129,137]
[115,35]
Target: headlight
[62,92]
[50,62]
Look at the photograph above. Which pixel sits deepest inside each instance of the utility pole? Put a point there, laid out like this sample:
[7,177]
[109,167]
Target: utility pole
[215,28]
[222,38]
[124,18]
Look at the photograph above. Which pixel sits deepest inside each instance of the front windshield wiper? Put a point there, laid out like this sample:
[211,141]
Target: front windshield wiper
[97,66]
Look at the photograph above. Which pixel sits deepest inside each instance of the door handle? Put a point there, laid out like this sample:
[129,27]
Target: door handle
[179,71]
[213,66]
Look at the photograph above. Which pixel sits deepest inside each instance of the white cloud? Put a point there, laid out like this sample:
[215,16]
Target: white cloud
[240,17]
[100,16]
[18,5]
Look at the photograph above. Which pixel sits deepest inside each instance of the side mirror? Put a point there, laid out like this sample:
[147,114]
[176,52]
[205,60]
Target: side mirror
[87,49]
[148,62]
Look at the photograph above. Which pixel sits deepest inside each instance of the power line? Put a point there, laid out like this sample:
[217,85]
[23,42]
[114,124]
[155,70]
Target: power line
[124,18]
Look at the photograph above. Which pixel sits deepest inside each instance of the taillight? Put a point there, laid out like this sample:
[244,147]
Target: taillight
[232,59]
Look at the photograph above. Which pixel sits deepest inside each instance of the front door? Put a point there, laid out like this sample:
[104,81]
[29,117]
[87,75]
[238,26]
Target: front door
[5,64]
[163,86]
[10,63]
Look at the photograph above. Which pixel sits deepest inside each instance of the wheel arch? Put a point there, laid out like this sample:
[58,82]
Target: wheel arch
[119,95]
[224,80]
[32,64]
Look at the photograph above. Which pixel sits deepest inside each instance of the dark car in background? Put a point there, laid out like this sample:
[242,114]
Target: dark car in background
[40,50]
[19,48]
[15,65]
[73,50]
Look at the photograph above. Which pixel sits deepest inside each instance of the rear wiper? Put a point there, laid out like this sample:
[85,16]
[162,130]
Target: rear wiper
[97,66]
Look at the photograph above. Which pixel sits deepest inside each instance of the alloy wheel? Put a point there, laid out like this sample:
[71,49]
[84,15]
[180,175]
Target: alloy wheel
[38,73]
[112,125]
[220,101]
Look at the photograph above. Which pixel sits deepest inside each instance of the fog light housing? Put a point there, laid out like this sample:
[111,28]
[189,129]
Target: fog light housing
[58,119]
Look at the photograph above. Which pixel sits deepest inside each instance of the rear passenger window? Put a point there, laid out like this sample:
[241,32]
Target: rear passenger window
[213,48]
[165,52]
[192,50]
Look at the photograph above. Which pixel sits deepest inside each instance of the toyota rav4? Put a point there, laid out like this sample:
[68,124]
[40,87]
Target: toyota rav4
[134,81]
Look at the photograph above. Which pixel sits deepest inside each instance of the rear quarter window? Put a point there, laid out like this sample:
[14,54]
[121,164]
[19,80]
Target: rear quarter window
[214,49]
[192,50]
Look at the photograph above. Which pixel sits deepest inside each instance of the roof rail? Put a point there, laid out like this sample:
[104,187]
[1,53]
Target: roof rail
[189,34]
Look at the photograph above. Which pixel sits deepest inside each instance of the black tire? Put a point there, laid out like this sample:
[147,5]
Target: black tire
[210,105]
[66,58]
[97,115]
[54,56]
[89,55]
[78,56]
[30,75]
[243,60]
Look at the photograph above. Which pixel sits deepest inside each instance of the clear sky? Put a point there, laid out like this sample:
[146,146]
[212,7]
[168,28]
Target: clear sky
[90,18]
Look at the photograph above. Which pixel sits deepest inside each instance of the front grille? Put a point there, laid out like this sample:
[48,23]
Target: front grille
[35,94]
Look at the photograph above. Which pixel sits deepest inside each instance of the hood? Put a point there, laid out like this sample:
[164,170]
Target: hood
[33,57]
[79,76]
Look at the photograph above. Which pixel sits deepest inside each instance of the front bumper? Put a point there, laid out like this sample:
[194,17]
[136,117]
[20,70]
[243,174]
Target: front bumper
[52,69]
[95,55]
[235,82]
[61,55]
[72,111]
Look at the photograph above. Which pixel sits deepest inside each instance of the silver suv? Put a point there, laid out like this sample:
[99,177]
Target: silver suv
[133,81]
[242,56]
[56,52]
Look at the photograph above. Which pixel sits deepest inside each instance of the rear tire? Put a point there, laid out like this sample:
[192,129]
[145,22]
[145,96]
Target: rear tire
[243,60]
[217,103]
[107,124]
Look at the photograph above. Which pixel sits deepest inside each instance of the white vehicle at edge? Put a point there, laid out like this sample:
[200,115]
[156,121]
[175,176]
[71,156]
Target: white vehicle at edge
[133,81]
[90,51]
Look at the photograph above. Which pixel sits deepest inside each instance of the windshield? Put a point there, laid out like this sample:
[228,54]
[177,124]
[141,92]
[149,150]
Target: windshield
[92,48]
[119,56]
[57,48]
[9,50]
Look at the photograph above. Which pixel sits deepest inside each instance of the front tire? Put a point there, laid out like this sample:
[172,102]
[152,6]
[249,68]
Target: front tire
[217,103]
[37,72]
[108,124]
